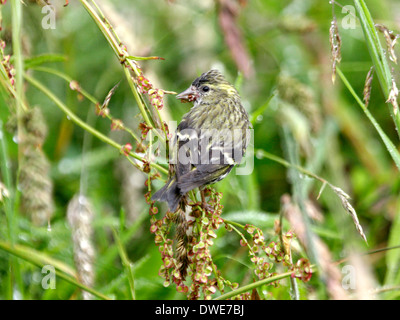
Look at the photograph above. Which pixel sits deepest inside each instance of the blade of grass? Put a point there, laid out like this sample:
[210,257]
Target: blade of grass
[16,23]
[315,163]
[106,259]
[377,55]
[299,196]
[260,111]
[338,191]
[8,203]
[6,175]
[392,276]
[128,265]
[39,259]
[43,58]
[264,154]
[294,288]
[388,143]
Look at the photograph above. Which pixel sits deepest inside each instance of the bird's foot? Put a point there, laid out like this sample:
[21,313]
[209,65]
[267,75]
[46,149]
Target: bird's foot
[204,204]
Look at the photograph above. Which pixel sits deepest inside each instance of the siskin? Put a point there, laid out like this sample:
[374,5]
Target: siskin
[210,140]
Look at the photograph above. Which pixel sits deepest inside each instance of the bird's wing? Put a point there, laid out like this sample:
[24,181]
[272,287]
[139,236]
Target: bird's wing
[208,151]
[196,178]
[203,149]
[204,156]
[186,148]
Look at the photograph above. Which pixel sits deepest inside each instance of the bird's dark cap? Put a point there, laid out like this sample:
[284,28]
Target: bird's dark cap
[210,77]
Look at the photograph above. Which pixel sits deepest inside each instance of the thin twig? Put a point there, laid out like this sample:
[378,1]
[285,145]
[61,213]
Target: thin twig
[86,127]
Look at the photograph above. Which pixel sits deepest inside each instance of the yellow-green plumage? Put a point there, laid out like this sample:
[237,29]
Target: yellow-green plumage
[211,138]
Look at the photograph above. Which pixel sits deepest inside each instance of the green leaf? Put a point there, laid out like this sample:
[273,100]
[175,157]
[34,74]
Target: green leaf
[41,59]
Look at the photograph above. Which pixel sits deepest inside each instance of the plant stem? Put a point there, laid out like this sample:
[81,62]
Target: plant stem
[388,143]
[129,270]
[8,206]
[378,56]
[113,40]
[233,223]
[84,126]
[257,284]
[40,260]
[86,94]
[294,293]
[267,155]
[16,13]
[139,100]
[68,79]
[243,238]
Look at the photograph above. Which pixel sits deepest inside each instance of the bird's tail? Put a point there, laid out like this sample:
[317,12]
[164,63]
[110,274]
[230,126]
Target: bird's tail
[170,193]
[182,241]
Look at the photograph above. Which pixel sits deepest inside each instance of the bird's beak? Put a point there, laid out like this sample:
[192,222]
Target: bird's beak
[188,95]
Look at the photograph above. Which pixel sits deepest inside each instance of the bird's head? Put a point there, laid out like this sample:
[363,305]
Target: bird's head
[208,86]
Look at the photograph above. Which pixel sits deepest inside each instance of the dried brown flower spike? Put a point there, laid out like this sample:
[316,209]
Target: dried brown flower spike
[393,94]
[34,179]
[368,86]
[336,44]
[80,215]
[391,40]
[344,198]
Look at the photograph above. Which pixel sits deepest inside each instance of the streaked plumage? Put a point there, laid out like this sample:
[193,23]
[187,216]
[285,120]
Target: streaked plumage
[210,140]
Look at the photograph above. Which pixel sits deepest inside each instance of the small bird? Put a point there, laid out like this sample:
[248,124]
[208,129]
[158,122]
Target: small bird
[209,141]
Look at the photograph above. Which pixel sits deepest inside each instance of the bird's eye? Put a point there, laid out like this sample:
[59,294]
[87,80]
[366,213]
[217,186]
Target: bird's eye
[206,88]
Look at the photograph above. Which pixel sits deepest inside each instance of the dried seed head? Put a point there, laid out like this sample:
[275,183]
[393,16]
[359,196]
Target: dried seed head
[344,198]
[3,192]
[35,183]
[391,40]
[36,186]
[182,243]
[35,126]
[80,215]
[368,86]
[393,93]
[336,44]
[108,97]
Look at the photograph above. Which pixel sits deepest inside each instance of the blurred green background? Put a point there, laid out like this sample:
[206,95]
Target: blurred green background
[283,72]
